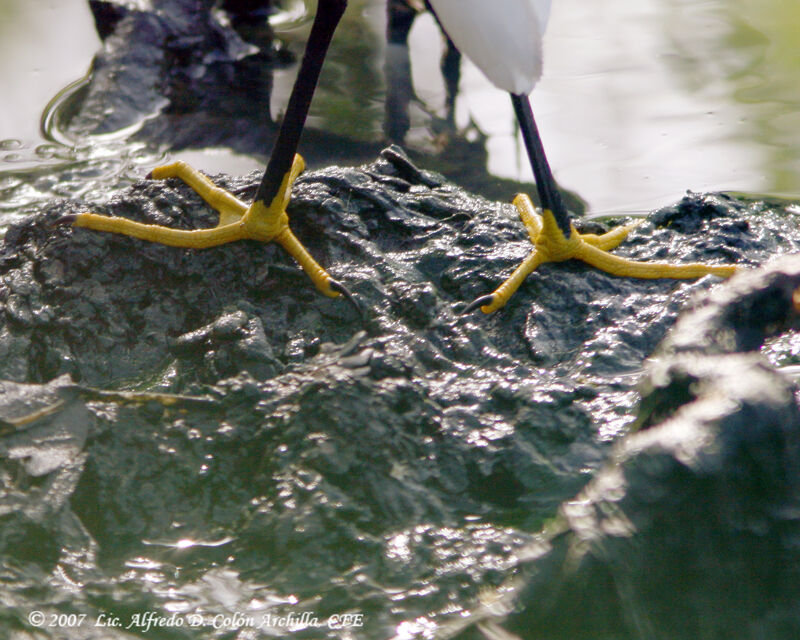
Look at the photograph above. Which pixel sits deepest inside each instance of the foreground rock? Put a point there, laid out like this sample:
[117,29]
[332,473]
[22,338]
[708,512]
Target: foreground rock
[316,461]
[690,530]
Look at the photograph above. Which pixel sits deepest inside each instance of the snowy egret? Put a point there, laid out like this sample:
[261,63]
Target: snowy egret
[504,39]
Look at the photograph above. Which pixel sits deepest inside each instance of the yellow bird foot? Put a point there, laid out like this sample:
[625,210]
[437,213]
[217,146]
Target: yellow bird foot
[550,245]
[237,221]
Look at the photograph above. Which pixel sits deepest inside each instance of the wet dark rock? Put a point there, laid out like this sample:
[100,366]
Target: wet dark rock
[186,75]
[179,74]
[690,530]
[164,56]
[395,465]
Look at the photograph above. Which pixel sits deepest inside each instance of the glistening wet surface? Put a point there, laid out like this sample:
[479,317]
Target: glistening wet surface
[196,445]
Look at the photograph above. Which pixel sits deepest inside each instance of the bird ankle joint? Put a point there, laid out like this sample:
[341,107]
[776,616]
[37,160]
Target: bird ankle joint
[264,223]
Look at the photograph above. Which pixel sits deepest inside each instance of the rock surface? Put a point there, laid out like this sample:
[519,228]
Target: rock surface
[394,465]
[690,530]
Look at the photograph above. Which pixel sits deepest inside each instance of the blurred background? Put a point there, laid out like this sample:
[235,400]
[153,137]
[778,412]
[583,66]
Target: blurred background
[639,102]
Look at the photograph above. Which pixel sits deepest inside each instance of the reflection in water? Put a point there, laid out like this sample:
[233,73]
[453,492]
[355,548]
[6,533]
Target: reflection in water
[750,58]
[662,92]
[639,101]
[401,15]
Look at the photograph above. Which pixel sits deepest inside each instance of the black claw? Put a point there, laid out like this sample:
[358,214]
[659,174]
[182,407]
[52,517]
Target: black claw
[69,218]
[340,288]
[480,302]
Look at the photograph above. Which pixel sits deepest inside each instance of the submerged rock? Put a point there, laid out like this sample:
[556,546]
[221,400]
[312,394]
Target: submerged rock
[393,465]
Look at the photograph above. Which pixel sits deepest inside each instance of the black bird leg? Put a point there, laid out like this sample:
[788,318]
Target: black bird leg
[265,219]
[554,238]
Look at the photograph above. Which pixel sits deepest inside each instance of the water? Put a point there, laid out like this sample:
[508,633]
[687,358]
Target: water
[639,101]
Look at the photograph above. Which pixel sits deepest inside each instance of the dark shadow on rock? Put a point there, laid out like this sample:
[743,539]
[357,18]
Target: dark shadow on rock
[394,466]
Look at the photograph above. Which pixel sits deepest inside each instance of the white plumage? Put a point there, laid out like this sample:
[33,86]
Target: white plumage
[503,38]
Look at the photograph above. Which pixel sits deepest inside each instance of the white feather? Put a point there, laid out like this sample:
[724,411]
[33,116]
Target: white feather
[503,38]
